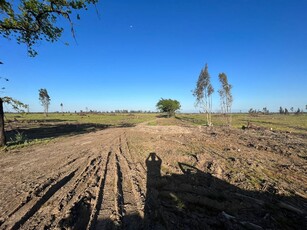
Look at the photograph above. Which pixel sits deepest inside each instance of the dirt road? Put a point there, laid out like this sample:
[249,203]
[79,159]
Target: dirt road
[157,177]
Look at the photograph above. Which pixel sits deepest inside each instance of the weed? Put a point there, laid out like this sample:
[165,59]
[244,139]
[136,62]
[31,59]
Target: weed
[19,138]
[26,143]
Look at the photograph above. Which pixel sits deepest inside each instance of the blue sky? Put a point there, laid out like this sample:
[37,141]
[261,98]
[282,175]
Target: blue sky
[135,52]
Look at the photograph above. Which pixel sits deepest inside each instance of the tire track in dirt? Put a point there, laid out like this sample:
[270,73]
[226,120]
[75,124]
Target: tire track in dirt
[63,201]
[107,211]
[127,199]
[134,173]
[78,194]
[40,204]
[119,189]
[99,181]
[99,195]
[58,203]
[25,212]
[82,214]
[117,205]
[38,187]
[94,189]
[39,190]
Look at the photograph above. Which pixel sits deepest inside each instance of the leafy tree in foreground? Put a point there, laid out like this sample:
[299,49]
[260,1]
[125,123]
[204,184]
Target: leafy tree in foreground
[203,93]
[168,106]
[44,99]
[30,21]
[226,97]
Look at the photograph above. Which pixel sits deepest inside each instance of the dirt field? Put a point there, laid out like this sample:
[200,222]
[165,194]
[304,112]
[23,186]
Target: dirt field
[157,177]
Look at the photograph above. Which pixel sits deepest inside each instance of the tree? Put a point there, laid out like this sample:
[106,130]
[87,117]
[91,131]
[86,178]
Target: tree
[44,99]
[281,110]
[203,93]
[168,106]
[17,105]
[298,111]
[62,107]
[251,111]
[265,110]
[225,97]
[30,21]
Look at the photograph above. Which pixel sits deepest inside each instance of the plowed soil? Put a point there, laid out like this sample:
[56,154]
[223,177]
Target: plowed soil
[157,177]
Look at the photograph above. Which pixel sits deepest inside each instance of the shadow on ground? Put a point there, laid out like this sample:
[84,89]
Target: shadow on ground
[198,200]
[57,130]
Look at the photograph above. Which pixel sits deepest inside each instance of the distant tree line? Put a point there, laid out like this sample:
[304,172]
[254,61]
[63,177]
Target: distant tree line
[122,111]
[286,111]
[255,111]
[281,111]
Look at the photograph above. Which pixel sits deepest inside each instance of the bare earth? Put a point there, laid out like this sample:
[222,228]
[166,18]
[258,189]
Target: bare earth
[157,177]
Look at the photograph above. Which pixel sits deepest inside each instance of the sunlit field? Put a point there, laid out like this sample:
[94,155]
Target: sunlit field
[288,123]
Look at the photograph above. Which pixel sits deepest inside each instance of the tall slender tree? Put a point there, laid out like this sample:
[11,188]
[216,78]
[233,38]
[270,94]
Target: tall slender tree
[203,93]
[210,92]
[45,100]
[62,108]
[225,97]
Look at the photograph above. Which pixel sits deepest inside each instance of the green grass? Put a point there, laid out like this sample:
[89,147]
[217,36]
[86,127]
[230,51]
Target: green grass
[112,119]
[290,123]
[13,145]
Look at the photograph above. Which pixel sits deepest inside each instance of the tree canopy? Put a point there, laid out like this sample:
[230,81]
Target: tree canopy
[30,21]
[168,106]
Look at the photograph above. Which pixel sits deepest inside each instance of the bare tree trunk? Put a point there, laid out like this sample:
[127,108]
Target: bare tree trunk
[210,110]
[46,111]
[2,133]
